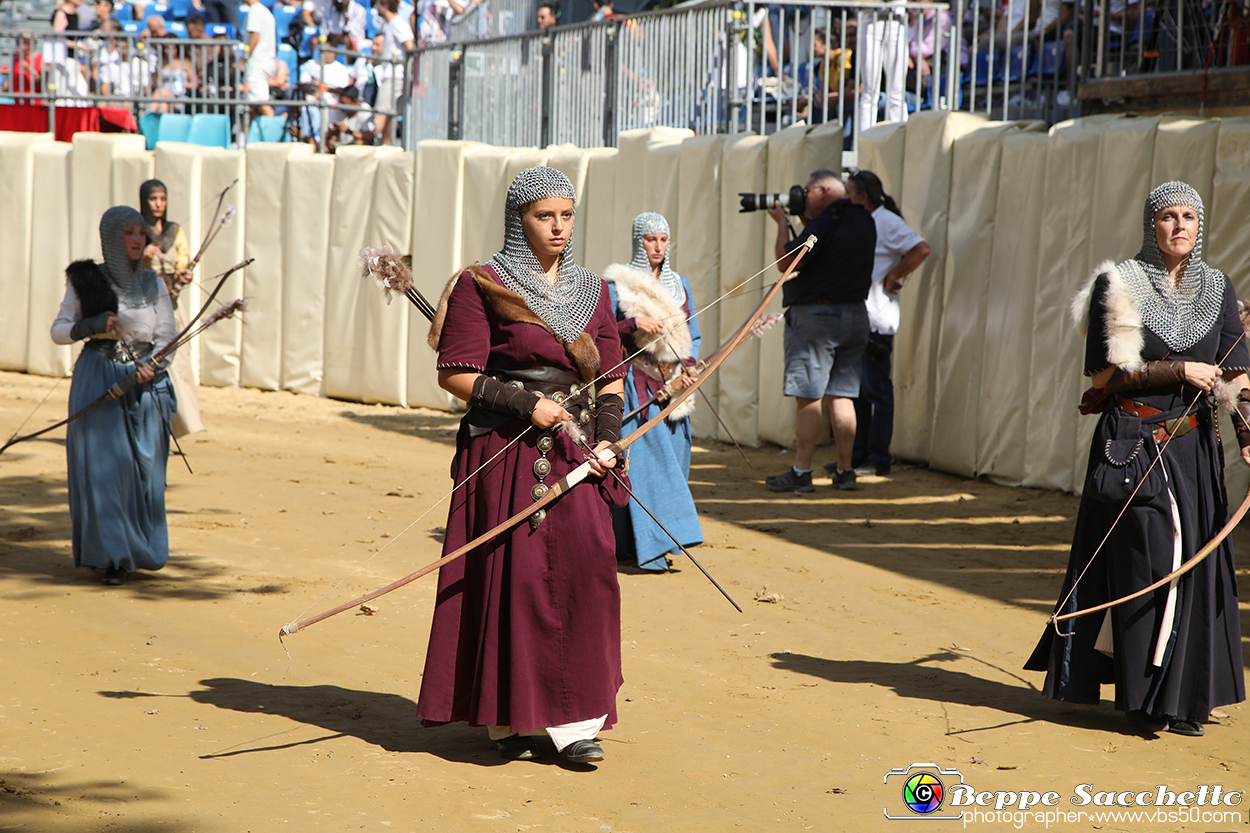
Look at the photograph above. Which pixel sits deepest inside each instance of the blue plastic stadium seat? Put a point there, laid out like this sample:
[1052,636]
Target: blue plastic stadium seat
[282,17]
[132,27]
[179,9]
[123,12]
[173,127]
[287,53]
[269,4]
[210,130]
[243,14]
[268,129]
[1050,59]
[149,126]
[212,30]
[161,9]
[176,29]
[306,45]
[983,69]
[1015,65]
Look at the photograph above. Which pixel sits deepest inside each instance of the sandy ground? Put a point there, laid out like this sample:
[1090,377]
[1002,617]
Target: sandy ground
[906,611]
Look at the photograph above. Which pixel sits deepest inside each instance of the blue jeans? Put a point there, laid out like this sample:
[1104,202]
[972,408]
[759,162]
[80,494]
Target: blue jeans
[874,407]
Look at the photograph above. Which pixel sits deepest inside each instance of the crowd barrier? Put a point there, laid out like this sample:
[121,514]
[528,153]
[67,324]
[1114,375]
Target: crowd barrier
[987,366]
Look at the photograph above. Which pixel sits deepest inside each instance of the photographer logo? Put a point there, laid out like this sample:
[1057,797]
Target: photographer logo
[923,790]
[922,793]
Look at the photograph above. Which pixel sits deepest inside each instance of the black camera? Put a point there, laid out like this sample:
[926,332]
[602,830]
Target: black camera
[794,202]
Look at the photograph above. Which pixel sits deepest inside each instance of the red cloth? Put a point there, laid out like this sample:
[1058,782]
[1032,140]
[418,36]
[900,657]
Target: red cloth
[33,118]
[527,628]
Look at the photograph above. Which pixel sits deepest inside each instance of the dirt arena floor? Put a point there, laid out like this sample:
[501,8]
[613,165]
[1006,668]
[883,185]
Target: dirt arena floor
[882,628]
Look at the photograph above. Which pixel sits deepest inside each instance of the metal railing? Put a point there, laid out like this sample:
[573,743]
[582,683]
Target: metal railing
[178,76]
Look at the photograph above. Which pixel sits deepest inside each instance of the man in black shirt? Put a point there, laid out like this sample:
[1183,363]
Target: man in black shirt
[826,324]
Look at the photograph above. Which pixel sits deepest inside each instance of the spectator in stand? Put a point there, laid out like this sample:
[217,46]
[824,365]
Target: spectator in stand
[1004,30]
[1055,23]
[221,76]
[397,40]
[351,127]
[103,13]
[262,51]
[177,77]
[344,17]
[922,39]
[434,19]
[195,27]
[221,11]
[116,72]
[295,39]
[154,27]
[547,16]
[65,16]
[839,74]
[603,10]
[883,50]
[26,72]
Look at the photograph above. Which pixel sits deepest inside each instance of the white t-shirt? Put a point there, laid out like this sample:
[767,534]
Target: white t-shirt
[337,75]
[260,19]
[394,36]
[894,239]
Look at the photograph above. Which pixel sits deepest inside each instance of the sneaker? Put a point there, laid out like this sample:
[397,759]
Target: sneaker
[873,470]
[845,480]
[790,482]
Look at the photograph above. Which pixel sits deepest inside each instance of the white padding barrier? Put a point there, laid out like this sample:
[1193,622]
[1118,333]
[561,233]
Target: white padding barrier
[1017,218]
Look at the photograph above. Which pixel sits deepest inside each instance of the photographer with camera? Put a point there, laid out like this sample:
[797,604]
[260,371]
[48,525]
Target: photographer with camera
[826,322]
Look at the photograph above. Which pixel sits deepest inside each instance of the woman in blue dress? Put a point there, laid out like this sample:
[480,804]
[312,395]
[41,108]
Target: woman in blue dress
[116,452]
[660,337]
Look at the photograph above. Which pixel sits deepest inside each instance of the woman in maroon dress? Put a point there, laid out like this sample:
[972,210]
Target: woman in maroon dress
[526,637]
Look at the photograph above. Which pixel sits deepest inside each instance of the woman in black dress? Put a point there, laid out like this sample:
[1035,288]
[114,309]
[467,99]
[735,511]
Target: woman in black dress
[1161,330]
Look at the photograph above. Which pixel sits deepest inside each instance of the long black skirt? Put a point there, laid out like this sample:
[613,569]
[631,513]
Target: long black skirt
[1199,665]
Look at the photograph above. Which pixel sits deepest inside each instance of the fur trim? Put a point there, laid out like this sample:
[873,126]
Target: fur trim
[510,306]
[95,293]
[1124,336]
[639,293]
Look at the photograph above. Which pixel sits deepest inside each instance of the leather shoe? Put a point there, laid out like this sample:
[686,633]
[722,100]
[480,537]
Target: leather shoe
[516,748]
[115,576]
[1186,727]
[583,752]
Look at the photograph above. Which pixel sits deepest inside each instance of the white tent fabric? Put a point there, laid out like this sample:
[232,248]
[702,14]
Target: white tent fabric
[221,345]
[49,255]
[261,353]
[307,194]
[1010,294]
[1016,216]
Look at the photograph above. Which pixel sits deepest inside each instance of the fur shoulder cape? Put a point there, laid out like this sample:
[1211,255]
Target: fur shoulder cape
[510,306]
[638,293]
[1123,335]
[95,293]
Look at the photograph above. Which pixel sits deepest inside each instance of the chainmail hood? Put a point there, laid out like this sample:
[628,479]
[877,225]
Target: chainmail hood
[567,305]
[134,287]
[649,222]
[1179,315]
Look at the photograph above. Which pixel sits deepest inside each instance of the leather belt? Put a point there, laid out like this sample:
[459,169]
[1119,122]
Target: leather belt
[1176,427]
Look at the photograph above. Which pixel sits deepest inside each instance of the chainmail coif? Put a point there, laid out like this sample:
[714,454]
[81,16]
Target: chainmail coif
[134,287]
[566,305]
[649,222]
[1183,314]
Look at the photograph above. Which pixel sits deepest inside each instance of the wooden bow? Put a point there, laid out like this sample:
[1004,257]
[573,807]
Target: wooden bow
[578,474]
[116,391]
[1207,549]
